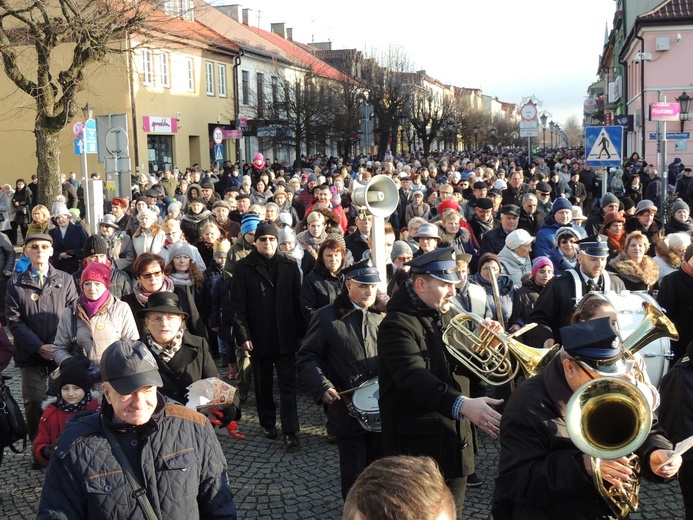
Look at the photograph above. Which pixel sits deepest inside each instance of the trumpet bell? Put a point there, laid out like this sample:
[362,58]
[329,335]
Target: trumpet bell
[654,325]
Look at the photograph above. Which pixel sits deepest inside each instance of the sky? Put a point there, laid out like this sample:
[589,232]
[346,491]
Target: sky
[511,49]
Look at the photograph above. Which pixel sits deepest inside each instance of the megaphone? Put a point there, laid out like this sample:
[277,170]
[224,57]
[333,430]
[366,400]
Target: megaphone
[378,196]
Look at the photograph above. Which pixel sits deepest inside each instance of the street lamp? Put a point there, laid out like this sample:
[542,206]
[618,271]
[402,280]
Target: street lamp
[542,118]
[552,127]
[402,121]
[452,127]
[476,134]
[492,133]
[685,102]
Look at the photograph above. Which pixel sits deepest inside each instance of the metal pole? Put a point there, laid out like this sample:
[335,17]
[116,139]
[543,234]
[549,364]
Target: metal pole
[663,157]
[529,149]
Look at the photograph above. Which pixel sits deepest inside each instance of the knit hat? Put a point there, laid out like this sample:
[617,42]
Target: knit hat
[538,263]
[181,248]
[249,223]
[609,198]
[221,248]
[95,245]
[267,229]
[567,230]
[75,371]
[518,238]
[61,209]
[400,247]
[286,234]
[679,204]
[561,203]
[337,237]
[312,178]
[96,272]
[645,205]
[146,212]
[175,206]
[628,203]
[488,257]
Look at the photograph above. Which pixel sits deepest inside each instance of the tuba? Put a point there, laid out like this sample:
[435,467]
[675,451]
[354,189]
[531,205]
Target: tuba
[492,356]
[608,418]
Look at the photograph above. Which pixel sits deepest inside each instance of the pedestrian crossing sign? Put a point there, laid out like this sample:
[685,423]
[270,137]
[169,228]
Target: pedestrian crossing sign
[604,145]
[218,153]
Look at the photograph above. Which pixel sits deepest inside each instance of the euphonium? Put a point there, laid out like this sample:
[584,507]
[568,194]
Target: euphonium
[608,418]
[494,357]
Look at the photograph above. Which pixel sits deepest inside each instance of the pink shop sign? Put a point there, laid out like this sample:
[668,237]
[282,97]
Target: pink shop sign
[665,111]
[159,125]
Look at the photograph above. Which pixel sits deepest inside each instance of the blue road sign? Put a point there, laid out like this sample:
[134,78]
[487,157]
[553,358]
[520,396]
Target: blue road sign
[672,136]
[603,145]
[90,136]
[218,152]
[79,146]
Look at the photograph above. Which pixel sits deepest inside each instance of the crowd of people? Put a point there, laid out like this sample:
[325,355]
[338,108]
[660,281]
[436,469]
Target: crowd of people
[267,269]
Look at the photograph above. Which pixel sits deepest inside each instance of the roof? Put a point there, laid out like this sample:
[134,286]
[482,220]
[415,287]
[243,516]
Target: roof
[668,10]
[174,27]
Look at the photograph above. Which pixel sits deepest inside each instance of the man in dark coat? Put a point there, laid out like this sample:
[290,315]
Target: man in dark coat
[267,322]
[423,408]
[69,192]
[676,298]
[494,240]
[595,222]
[338,353]
[35,302]
[357,242]
[530,217]
[560,297]
[542,474]
[483,221]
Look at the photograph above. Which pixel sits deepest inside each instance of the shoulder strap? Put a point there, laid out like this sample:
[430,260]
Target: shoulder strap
[578,285]
[607,281]
[138,490]
[477,300]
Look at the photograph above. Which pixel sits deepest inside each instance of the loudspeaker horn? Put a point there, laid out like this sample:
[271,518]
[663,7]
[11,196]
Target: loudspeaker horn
[378,196]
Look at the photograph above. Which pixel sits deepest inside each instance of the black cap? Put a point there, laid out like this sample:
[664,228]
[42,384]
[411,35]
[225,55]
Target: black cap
[162,302]
[480,185]
[39,236]
[439,264]
[95,245]
[484,203]
[595,245]
[543,187]
[151,193]
[206,184]
[127,365]
[243,196]
[362,272]
[75,371]
[266,229]
[596,344]
[510,209]
[493,192]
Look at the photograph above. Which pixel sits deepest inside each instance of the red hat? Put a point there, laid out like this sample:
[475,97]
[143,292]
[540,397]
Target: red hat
[448,204]
[96,272]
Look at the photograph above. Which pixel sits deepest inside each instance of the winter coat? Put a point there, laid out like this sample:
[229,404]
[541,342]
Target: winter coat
[531,222]
[675,413]
[635,277]
[121,283]
[220,308]
[560,263]
[266,304]
[79,334]
[319,288]
[514,266]
[506,290]
[192,362]
[120,249]
[356,244]
[182,463]
[481,228]
[666,259]
[417,387]
[239,250]
[22,212]
[541,474]
[595,222]
[191,224]
[676,226]
[72,243]
[493,241]
[150,241]
[546,237]
[525,299]
[7,257]
[259,198]
[52,425]
[675,296]
[34,313]
[4,212]
[334,354]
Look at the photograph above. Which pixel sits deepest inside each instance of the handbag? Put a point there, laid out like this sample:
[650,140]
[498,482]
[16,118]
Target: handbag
[12,424]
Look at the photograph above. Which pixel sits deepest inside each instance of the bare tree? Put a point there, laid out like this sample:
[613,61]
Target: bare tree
[32,36]
[573,129]
[429,115]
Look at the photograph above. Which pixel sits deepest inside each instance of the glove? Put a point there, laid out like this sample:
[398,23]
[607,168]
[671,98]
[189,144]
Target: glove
[47,451]
[226,418]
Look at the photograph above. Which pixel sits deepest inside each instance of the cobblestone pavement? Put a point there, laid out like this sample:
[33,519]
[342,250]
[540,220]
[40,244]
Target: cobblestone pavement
[272,484]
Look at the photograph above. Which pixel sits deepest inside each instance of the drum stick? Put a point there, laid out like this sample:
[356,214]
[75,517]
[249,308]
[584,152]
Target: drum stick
[356,388]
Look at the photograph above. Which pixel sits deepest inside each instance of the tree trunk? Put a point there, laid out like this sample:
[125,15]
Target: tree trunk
[48,171]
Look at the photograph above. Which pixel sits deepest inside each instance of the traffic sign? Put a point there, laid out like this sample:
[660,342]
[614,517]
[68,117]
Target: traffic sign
[528,112]
[672,136]
[78,129]
[79,146]
[604,145]
[116,142]
[218,135]
[90,136]
[218,153]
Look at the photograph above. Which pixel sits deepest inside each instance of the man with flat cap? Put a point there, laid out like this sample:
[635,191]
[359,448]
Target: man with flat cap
[561,296]
[339,353]
[494,240]
[35,302]
[483,220]
[423,408]
[175,464]
[541,473]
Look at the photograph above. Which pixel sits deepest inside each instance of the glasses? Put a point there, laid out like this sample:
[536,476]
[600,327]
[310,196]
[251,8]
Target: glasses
[268,238]
[173,318]
[489,269]
[36,247]
[404,258]
[149,276]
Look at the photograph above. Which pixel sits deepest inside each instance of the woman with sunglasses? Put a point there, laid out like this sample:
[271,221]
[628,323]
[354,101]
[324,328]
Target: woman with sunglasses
[148,271]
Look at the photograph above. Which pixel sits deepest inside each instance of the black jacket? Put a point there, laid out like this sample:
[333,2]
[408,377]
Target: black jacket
[417,387]
[72,243]
[676,410]
[356,244]
[493,241]
[266,304]
[319,288]
[334,355]
[676,298]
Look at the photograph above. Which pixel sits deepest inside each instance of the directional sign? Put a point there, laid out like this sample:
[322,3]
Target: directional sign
[671,136]
[604,145]
[79,146]
[90,136]
[78,129]
[218,135]
[218,153]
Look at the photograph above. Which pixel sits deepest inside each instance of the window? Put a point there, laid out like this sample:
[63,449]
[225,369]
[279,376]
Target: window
[147,67]
[260,94]
[164,74]
[180,8]
[190,75]
[246,87]
[275,91]
[209,76]
[221,71]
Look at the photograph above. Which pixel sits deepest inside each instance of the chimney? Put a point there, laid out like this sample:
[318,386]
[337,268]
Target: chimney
[232,11]
[290,34]
[278,28]
[245,16]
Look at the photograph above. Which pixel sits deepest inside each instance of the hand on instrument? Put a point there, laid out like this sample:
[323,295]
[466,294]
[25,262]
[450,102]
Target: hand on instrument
[330,396]
[670,469]
[615,471]
[479,411]
[549,343]
[247,346]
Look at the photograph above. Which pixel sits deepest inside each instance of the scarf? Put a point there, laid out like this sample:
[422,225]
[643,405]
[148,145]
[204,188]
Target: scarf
[92,307]
[616,243]
[73,408]
[143,295]
[166,352]
[687,268]
[181,279]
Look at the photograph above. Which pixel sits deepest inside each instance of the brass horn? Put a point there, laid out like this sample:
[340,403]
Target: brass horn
[492,356]
[653,326]
[608,418]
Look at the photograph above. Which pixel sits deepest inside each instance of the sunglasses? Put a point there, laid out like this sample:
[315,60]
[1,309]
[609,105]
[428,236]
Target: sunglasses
[149,276]
[36,247]
[268,238]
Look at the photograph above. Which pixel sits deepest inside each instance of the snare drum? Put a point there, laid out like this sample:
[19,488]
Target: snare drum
[365,405]
[630,313]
